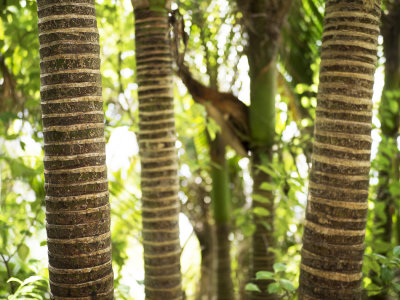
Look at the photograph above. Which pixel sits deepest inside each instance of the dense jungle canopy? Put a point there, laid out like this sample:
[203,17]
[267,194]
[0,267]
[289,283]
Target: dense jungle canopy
[204,150]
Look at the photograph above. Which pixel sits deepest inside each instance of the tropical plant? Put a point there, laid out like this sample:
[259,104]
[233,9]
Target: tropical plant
[334,230]
[77,207]
[159,177]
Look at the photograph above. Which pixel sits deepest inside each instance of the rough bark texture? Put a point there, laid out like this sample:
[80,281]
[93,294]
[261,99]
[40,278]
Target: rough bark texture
[221,209]
[334,229]
[159,178]
[77,206]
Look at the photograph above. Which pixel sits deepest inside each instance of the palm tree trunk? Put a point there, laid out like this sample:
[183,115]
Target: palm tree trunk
[264,21]
[159,178]
[262,124]
[77,206]
[390,120]
[221,208]
[263,237]
[334,229]
[206,290]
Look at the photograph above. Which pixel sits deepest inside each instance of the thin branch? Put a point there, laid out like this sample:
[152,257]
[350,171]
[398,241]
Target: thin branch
[9,274]
[187,241]
[227,110]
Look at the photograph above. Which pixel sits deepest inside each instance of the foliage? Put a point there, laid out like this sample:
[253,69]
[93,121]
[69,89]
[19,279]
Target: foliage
[33,287]
[215,56]
[382,271]
[278,283]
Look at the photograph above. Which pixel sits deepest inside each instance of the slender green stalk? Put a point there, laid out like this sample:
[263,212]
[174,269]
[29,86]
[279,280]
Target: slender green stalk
[262,116]
[221,202]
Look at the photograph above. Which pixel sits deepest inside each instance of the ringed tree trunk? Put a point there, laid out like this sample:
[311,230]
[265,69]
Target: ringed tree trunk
[389,125]
[159,176]
[334,228]
[390,119]
[77,205]
[264,21]
[221,199]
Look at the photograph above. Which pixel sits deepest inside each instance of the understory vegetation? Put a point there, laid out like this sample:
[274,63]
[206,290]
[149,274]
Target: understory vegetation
[244,78]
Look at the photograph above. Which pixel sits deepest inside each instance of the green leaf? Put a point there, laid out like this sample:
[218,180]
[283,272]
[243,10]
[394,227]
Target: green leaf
[251,287]
[266,225]
[379,257]
[264,275]
[261,211]
[267,186]
[394,106]
[274,288]
[387,274]
[33,279]
[260,198]
[396,251]
[43,243]
[373,289]
[268,170]
[13,279]
[213,128]
[287,285]
[375,267]
[372,263]
[279,267]
[396,286]
[23,251]
[389,123]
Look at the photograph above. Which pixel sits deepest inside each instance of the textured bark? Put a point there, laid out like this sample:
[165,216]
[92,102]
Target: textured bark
[221,208]
[159,178]
[77,206]
[334,229]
